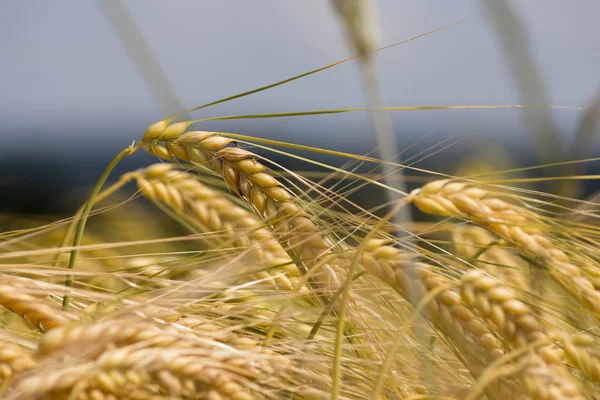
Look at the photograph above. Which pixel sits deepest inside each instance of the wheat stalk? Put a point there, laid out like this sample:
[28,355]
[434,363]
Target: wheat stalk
[512,223]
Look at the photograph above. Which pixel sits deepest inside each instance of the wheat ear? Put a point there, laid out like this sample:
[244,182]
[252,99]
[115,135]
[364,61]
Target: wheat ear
[516,322]
[182,373]
[252,181]
[390,265]
[480,248]
[37,311]
[542,380]
[480,296]
[543,375]
[446,309]
[187,332]
[14,359]
[512,223]
[192,357]
[582,350]
[182,192]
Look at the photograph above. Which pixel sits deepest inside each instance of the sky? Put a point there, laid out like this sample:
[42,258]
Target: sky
[66,77]
[70,92]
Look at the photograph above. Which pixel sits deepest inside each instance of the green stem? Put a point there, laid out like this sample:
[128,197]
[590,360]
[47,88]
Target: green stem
[68,237]
[84,216]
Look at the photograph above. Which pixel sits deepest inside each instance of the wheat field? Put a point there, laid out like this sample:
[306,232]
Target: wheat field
[267,281]
[218,273]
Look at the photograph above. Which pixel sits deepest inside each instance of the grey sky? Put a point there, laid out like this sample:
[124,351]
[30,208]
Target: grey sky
[67,83]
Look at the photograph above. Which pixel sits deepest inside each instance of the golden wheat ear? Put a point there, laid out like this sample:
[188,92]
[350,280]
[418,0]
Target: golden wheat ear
[14,359]
[524,230]
[190,357]
[392,266]
[25,298]
[251,180]
[479,300]
[485,251]
[514,224]
[212,211]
